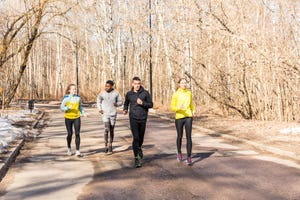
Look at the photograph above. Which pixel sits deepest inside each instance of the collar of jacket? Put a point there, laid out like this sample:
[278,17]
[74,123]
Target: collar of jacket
[139,91]
[112,89]
[183,90]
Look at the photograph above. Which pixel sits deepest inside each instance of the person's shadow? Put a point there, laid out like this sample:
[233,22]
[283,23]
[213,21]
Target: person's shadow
[201,156]
[116,150]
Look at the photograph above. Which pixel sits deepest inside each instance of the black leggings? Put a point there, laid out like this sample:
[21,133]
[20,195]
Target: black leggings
[69,125]
[138,128]
[179,123]
[109,128]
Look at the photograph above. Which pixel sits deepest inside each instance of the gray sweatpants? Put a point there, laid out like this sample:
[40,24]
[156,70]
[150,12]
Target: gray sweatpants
[109,126]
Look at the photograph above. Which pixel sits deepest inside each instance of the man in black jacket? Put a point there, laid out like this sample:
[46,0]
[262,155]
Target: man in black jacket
[140,101]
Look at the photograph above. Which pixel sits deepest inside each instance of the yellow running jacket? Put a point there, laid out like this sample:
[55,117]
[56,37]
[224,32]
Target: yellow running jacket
[72,106]
[182,98]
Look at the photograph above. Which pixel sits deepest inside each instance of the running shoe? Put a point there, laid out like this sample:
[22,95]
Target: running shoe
[110,148]
[78,154]
[189,161]
[179,157]
[69,152]
[138,162]
[106,149]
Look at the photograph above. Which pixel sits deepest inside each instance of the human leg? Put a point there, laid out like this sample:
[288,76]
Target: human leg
[111,137]
[142,129]
[106,130]
[112,122]
[77,125]
[134,125]
[112,133]
[179,123]
[69,124]
[188,131]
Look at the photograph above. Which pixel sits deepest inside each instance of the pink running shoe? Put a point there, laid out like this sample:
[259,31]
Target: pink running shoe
[179,157]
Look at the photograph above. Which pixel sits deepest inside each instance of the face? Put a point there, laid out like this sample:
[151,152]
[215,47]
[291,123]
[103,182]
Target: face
[73,90]
[136,85]
[108,87]
[183,84]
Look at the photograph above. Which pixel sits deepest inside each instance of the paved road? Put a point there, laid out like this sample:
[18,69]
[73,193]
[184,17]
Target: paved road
[220,170]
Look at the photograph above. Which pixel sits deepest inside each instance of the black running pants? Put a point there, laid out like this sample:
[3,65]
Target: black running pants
[69,125]
[187,123]
[138,128]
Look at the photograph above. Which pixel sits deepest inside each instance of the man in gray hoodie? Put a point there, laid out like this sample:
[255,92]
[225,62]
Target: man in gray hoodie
[107,103]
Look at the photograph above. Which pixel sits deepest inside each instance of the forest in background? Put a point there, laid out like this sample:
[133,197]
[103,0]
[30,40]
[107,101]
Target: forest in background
[240,57]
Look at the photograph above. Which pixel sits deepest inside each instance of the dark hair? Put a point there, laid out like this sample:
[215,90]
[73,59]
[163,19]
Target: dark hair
[136,78]
[110,82]
[68,88]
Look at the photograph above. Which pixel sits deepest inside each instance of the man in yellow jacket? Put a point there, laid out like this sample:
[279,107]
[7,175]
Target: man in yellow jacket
[182,105]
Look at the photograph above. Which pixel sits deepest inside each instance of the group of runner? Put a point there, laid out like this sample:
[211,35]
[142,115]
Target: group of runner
[138,101]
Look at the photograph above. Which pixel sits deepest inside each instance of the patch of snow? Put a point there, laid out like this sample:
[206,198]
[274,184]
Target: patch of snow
[10,133]
[293,130]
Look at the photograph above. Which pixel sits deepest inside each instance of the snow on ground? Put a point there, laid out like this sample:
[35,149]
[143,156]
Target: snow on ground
[13,125]
[292,130]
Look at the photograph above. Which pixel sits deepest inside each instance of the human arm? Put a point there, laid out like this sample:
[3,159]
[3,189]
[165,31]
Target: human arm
[174,103]
[82,112]
[63,106]
[146,102]
[99,103]
[192,106]
[126,105]
[119,101]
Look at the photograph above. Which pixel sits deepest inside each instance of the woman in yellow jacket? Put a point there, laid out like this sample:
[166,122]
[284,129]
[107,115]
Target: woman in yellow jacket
[72,106]
[182,105]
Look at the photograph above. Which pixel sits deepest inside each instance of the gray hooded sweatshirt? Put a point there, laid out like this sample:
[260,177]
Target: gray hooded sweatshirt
[106,100]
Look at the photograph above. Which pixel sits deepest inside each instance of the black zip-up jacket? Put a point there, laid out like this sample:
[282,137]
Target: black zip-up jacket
[139,112]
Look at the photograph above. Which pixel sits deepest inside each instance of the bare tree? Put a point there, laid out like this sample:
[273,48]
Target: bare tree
[242,57]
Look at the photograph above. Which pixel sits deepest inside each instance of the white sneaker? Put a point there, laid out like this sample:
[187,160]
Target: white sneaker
[78,153]
[69,153]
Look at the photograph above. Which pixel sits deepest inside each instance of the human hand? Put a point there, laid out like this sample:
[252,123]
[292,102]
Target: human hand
[101,111]
[139,101]
[115,104]
[84,114]
[125,112]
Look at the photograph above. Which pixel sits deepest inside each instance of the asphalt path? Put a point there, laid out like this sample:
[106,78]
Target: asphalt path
[220,170]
